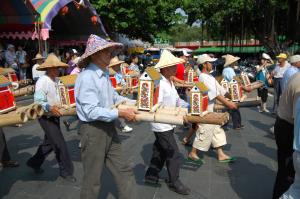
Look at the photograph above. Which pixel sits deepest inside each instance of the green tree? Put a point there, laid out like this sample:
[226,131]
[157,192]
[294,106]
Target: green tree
[137,18]
[266,20]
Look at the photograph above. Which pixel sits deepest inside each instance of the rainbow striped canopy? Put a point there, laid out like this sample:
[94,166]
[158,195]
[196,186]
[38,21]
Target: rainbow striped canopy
[48,9]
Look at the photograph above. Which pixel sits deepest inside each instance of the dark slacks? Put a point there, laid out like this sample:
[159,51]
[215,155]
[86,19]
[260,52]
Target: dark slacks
[284,136]
[101,147]
[165,150]
[236,118]
[277,92]
[263,94]
[53,141]
[4,154]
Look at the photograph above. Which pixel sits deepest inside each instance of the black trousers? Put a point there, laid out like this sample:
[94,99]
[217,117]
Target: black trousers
[284,136]
[236,118]
[4,154]
[53,141]
[165,150]
[263,93]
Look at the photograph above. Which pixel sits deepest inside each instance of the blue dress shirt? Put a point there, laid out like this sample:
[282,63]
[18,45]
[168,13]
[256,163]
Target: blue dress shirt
[228,73]
[287,76]
[95,95]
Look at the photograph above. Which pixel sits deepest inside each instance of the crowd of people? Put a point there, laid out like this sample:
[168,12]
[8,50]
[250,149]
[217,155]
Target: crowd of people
[100,144]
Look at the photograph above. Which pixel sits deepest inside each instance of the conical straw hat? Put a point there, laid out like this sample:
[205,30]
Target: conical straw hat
[94,45]
[52,62]
[38,56]
[229,59]
[168,59]
[115,61]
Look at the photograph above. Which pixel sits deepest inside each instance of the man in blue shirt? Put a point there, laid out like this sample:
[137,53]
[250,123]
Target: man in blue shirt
[295,67]
[100,144]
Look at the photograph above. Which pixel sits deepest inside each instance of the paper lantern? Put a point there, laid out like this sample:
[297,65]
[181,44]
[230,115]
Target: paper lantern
[148,89]
[94,20]
[7,100]
[199,98]
[66,90]
[64,10]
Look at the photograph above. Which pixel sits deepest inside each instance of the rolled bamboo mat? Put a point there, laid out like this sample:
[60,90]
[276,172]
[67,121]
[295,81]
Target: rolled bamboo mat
[209,118]
[13,118]
[24,91]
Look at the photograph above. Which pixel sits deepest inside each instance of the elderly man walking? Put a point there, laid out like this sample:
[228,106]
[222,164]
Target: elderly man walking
[46,95]
[100,143]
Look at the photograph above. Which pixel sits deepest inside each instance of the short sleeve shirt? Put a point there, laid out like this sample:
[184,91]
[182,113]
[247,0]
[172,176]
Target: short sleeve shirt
[288,99]
[215,89]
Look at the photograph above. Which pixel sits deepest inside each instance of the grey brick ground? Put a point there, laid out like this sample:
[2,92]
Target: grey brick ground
[251,177]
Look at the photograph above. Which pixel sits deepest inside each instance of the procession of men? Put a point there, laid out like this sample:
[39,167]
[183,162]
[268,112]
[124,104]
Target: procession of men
[98,117]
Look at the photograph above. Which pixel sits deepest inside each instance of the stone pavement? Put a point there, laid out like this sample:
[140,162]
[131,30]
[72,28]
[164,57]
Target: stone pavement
[251,177]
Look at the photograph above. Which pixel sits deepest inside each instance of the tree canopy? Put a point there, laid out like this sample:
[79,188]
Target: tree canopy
[274,22]
[137,18]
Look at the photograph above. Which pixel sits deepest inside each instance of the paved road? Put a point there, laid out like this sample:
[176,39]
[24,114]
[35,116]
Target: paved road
[251,177]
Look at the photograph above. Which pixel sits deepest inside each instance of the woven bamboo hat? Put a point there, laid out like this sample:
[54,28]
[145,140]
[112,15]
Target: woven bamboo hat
[52,62]
[38,57]
[94,45]
[168,59]
[115,61]
[229,59]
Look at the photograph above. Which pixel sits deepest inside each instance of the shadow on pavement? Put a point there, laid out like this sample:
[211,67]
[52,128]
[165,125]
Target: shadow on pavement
[250,180]
[263,149]
[260,125]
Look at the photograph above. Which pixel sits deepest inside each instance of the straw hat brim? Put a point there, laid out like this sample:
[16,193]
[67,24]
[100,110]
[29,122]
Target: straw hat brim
[231,61]
[38,58]
[83,62]
[45,66]
[116,63]
[160,66]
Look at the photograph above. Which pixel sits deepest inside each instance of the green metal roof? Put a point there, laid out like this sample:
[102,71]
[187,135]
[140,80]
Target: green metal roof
[230,49]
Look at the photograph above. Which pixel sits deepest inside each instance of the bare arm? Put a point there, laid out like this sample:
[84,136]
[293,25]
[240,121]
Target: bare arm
[227,103]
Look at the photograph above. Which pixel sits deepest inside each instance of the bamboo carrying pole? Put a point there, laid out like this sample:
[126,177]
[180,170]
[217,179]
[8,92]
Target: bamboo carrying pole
[24,91]
[168,116]
[32,111]
[13,118]
[249,102]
